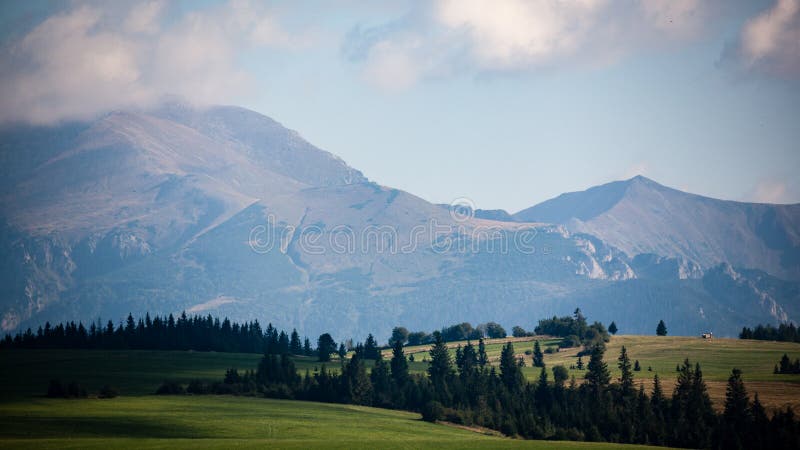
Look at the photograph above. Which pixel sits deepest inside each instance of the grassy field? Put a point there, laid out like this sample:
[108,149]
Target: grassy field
[227,422]
[139,419]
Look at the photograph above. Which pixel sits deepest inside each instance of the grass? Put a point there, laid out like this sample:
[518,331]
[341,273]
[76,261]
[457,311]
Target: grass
[26,373]
[138,419]
[226,422]
[717,357]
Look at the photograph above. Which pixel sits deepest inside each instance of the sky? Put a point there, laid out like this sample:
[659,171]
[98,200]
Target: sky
[504,102]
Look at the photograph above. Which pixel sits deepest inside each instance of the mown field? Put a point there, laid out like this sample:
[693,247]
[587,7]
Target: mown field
[142,420]
[234,422]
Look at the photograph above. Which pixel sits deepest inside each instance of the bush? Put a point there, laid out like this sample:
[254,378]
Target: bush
[570,341]
[56,389]
[432,411]
[107,392]
[170,388]
[551,349]
[197,387]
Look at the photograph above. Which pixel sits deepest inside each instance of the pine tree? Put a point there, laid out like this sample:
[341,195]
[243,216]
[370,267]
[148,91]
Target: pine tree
[342,351]
[483,359]
[538,356]
[371,348]
[509,369]
[597,375]
[440,369]
[295,346]
[357,386]
[579,365]
[636,366]
[613,328]
[661,329]
[626,375]
[325,346]
[737,403]
[399,364]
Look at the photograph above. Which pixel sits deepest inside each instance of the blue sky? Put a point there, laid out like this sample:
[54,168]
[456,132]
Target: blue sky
[507,103]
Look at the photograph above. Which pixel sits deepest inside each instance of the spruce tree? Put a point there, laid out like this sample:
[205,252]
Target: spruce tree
[295,346]
[399,365]
[661,329]
[626,375]
[538,356]
[483,359]
[325,346]
[613,328]
[510,372]
[440,369]
[597,375]
[737,403]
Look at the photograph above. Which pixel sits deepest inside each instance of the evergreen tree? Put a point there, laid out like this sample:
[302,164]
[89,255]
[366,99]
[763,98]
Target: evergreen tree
[307,347]
[538,356]
[342,351]
[371,348]
[295,346]
[636,366]
[661,329]
[613,328]
[325,346]
[579,364]
[440,369]
[510,372]
[737,411]
[626,375]
[357,387]
[399,364]
[483,359]
[597,375]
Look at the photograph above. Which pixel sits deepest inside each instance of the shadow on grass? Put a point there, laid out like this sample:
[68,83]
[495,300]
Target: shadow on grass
[86,427]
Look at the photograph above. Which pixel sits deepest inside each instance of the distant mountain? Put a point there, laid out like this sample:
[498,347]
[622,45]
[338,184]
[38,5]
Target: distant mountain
[223,210]
[640,216]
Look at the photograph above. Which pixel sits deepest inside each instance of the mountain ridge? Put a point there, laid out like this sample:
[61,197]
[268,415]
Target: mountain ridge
[176,208]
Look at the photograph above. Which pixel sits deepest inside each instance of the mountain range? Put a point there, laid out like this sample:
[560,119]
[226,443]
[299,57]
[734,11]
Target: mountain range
[221,210]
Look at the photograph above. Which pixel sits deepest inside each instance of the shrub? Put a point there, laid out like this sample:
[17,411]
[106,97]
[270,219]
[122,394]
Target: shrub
[56,389]
[432,411]
[197,387]
[170,388]
[107,392]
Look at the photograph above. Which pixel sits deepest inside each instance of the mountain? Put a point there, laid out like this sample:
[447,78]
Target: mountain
[640,216]
[221,210]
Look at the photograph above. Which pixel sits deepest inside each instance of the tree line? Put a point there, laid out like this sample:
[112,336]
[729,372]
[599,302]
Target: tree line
[785,332]
[468,390]
[199,333]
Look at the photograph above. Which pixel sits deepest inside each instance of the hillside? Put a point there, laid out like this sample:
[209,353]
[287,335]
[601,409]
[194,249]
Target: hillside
[223,210]
[642,217]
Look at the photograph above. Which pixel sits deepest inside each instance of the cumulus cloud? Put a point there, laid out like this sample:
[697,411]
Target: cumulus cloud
[90,59]
[518,35]
[770,42]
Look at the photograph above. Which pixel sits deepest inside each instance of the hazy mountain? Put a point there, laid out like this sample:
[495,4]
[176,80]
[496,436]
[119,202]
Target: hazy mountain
[222,210]
[640,216]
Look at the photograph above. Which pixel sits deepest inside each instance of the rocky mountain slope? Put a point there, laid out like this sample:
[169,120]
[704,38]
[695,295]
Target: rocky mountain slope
[222,210]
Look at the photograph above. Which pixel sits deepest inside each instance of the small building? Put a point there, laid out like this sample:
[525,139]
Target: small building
[707,335]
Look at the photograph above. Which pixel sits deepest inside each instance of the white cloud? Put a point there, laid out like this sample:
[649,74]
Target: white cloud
[88,60]
[770,42]
[522,35]
[771,191]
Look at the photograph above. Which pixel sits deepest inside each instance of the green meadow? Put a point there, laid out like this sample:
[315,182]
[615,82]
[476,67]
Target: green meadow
[142,420]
